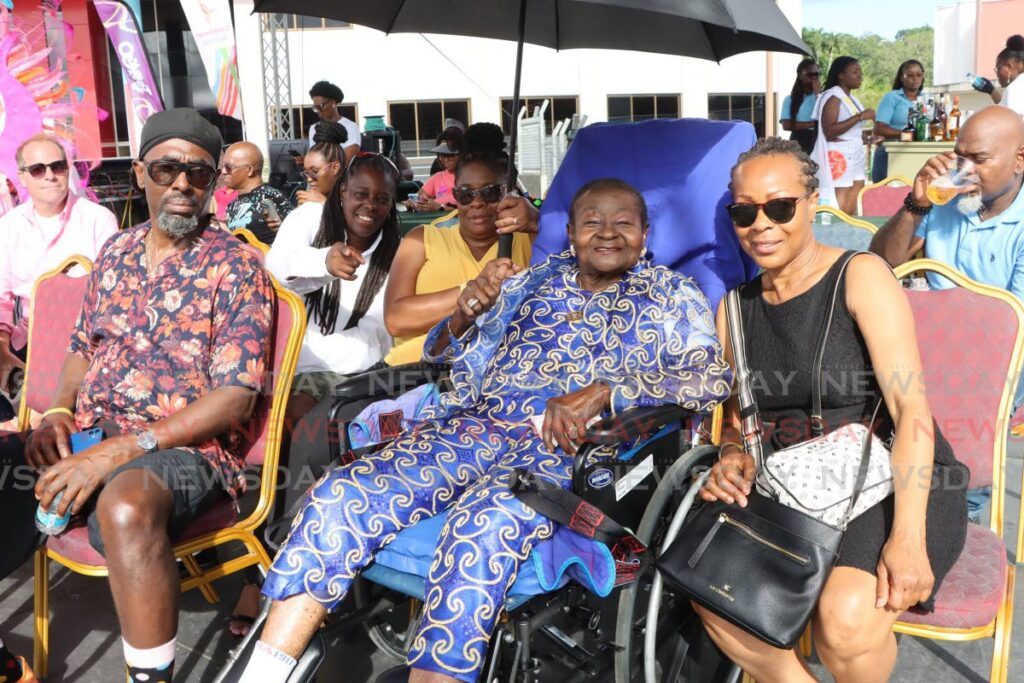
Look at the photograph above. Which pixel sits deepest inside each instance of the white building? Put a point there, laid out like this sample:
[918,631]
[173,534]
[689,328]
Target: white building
[416,81]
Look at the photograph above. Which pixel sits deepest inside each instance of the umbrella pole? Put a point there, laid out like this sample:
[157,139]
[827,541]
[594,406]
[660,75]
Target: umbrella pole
[514,128]
[505,241]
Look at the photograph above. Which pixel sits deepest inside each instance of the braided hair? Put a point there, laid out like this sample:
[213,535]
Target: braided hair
[323,304]
[796,95]
[328,139]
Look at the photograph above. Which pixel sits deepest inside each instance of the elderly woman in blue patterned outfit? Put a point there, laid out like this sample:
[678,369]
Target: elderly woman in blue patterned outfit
[589,332]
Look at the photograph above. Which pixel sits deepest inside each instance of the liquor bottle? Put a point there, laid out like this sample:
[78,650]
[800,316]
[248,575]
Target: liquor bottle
[953,120]
[921,128]
[907,134]
[937,130]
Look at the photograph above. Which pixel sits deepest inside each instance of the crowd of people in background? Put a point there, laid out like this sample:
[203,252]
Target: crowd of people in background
[377,298]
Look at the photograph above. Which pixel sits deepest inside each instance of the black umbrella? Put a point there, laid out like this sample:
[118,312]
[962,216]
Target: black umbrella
[706,29]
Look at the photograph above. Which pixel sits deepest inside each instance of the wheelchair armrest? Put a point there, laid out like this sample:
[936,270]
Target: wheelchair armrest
[389,381]
[635,423]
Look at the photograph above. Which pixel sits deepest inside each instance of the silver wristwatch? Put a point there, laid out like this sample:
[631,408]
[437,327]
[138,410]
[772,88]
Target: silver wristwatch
[146,440]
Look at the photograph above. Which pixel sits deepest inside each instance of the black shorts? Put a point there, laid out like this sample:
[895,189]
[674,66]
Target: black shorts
[194,485]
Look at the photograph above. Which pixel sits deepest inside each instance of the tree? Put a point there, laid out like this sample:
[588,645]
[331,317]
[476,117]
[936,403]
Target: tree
[879,58]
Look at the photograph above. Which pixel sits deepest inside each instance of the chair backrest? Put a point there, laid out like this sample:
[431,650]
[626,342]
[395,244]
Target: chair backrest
[247,236]
[56,304]
[262,436]
[883,198]
[842,230]
[681,167]
[971,340]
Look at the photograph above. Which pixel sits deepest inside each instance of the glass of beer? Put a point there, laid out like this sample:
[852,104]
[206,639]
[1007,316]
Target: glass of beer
[943,189]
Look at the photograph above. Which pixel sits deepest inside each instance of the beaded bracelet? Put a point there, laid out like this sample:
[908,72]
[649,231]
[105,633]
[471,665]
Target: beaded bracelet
[910,205]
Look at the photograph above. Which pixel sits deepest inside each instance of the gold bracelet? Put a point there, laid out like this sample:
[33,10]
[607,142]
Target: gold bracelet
[62,411]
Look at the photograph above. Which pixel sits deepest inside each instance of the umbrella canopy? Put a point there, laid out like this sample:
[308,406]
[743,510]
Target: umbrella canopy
[706,29]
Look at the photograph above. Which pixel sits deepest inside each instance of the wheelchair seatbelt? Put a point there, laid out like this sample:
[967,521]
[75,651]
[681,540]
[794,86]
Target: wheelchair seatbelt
[559,505]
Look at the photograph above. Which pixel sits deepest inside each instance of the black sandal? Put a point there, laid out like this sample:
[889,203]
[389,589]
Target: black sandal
[240,621]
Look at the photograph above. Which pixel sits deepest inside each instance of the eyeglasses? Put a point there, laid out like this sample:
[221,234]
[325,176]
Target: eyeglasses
[779,210]
[489,193]
[813,74]
[59,167]
[166,172]
[321,107]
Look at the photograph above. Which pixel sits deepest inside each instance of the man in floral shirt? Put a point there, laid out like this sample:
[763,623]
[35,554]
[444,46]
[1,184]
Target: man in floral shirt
[169,357]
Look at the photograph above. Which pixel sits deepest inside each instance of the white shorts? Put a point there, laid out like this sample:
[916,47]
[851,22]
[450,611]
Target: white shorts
[847,161]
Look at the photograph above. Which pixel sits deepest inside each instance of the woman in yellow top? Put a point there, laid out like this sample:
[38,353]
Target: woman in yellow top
[434,263]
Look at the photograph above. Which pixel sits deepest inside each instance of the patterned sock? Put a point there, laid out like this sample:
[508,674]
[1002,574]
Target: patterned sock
[267,665]
[10,667]
[151,665]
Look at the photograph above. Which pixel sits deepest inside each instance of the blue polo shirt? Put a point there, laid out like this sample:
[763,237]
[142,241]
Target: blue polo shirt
[990,252]
[804,113]
[893,109]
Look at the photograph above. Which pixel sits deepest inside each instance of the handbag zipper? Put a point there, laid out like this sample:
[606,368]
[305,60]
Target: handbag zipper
[726,519]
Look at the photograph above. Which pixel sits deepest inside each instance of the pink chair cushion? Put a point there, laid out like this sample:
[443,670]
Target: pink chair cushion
[883,201]
[972,591]
[254,435]
[966,341]
[55,310]
[74,543]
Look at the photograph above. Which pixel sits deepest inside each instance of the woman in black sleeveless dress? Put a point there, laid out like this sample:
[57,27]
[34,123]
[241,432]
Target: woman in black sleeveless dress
[896,553]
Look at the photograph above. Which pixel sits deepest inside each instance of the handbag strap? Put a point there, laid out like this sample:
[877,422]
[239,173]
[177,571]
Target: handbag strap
[749,417]
[817,423]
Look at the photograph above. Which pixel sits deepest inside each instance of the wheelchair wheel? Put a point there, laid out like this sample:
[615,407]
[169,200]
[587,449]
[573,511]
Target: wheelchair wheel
[392,626]
[683,652]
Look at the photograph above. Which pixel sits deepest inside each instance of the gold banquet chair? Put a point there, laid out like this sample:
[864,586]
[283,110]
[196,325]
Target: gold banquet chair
[57,299]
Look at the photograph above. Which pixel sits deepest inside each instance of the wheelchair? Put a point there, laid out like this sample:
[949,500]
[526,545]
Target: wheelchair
[569,634]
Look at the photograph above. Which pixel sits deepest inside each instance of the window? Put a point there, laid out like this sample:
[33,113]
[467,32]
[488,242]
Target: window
[304,117]
[297,21]
[739,107]
[559,108]
[421,122]
[623,108]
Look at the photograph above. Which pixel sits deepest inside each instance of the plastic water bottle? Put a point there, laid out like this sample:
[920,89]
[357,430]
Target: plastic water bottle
[48,521]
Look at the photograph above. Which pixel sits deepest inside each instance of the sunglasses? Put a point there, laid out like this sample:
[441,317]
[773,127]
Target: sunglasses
[59,167]
[322,107]
[814,74]
[166,172]
[489,193]
[779,210]
[228,168]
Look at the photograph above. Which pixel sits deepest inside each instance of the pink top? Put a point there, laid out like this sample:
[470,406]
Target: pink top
[440,186]
[31,246]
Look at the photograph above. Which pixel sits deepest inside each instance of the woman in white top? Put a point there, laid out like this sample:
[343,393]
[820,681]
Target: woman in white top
[839,150]
[338,255]
[1009,66]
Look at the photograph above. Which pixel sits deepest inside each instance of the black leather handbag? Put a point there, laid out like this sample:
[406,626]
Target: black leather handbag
[761,567]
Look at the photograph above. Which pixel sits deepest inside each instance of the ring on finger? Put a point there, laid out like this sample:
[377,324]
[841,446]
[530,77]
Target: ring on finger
[473,303]
[515,220]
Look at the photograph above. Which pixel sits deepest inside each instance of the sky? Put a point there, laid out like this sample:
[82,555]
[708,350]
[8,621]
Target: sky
[883,17]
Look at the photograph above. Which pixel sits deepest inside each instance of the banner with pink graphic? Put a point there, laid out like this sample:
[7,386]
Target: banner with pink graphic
[140,86]
[210,21]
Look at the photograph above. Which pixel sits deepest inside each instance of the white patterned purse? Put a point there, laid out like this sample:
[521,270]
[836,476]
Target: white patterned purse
[818,477]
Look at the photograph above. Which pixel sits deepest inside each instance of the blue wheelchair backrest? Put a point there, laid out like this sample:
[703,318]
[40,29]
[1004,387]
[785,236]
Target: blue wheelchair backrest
[682,169]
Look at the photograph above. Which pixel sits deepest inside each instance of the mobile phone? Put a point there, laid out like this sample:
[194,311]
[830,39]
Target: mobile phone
[83,440]
[271,210]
